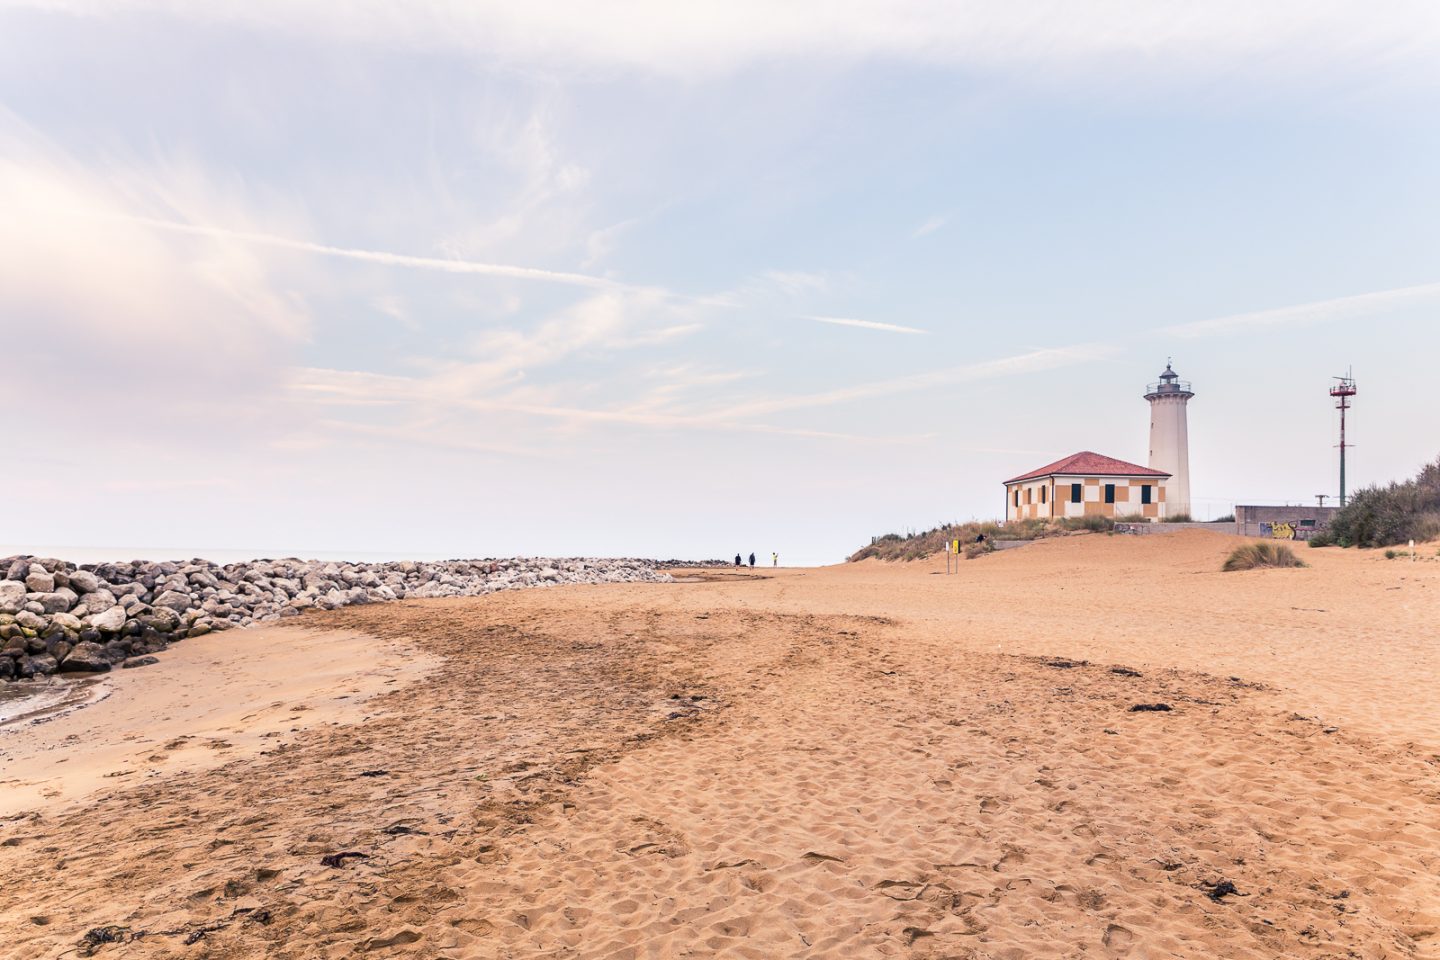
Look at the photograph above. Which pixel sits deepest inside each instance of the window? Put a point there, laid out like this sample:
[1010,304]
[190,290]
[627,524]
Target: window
[1109,493]
[1017,496]
[1145,493]
[1042,494]
[1077,492]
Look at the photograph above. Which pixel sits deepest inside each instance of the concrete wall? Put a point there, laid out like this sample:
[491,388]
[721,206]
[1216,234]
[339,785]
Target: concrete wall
[1282,523]
[1151,528]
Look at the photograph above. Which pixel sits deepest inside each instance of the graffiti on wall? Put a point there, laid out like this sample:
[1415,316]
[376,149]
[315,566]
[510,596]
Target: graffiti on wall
[1279,530]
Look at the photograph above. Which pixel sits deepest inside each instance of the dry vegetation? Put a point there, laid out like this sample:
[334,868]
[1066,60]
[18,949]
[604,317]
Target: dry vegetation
[1253,556]
[917,546]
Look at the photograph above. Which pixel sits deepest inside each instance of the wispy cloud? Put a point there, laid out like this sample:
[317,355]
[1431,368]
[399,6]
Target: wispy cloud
[1033,362]
[1165,37]
[929,226]
[362,389]
[865,324]
[797,283]
[85,292]
[358,388]
[1357,307]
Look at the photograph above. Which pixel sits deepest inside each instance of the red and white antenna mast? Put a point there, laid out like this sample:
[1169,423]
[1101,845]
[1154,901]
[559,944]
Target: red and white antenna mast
[1342,392]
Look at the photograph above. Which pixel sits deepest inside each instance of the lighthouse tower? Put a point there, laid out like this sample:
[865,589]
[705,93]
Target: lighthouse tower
[1170,438]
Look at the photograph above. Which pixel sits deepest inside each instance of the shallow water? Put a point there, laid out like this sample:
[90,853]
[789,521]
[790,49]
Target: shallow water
[35,701]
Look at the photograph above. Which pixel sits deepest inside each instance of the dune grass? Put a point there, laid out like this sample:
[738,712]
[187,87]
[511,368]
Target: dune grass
[1254,556]
[918,546]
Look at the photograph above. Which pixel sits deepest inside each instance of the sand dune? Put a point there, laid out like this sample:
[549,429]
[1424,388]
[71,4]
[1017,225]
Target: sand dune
[865,761]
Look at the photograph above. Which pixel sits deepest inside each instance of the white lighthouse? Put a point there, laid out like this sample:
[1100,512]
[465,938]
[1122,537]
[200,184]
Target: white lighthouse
[1170,438]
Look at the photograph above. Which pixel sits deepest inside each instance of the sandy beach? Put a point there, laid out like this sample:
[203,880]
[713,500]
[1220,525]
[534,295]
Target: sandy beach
[869,760]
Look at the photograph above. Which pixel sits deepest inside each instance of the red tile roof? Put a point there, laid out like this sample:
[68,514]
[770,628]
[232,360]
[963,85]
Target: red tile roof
[1089,464]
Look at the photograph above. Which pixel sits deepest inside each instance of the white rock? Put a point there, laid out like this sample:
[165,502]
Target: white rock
[12,596]
[109,621]
[83,581]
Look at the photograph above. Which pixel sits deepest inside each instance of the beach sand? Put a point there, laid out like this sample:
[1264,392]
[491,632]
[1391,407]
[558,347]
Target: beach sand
[872,760]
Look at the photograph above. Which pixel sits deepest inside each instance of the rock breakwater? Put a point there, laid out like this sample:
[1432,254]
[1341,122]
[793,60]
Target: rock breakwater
[58,617]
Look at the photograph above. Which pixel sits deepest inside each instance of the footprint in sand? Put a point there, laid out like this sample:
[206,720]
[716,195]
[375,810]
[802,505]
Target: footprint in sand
[1117,939]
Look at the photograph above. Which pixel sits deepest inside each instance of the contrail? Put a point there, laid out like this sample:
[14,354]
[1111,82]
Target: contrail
[866,324]
[396,259]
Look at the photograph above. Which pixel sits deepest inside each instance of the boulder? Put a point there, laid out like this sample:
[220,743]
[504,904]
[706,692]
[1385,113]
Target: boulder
[109,621]
[55,602]
[42,665]
[86,658]
[39,580]
[31,620]
[161,619]
[83,581]
[179,602]
[12,596]
[98,601]
[18,570]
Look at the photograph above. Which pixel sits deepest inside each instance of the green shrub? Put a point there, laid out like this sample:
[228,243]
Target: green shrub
[1323,538]
[1391,554]
[1253,556]
[1385,516]
[1228,518]
[1179,518]
[1133,518]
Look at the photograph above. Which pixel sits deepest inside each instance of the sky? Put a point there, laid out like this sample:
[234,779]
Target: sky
[444,279]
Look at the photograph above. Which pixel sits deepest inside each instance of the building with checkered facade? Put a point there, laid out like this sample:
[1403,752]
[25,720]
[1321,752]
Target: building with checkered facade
[1085,485]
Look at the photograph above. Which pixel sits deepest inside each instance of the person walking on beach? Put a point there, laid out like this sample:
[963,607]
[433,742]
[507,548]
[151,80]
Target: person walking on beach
[737,561]
[774,559]
[752,560]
